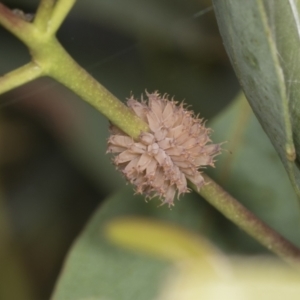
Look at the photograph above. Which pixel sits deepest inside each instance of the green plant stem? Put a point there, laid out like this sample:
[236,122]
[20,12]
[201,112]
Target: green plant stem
[66,71]
[49,56]
[246,220]
[19,77]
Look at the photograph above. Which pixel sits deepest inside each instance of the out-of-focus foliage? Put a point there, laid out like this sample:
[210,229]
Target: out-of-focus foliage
[12,268]
[199,270]
[243,279]
[262,39]
[95,268]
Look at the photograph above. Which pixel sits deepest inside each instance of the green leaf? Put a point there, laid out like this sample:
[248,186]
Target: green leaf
[96,269]
[251,171]
[160,239]
[262,39]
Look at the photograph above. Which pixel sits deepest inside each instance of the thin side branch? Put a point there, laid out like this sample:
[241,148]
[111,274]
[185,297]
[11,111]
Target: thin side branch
[66,71]
[19,77]
[60,11]
[246,220]
[43,14]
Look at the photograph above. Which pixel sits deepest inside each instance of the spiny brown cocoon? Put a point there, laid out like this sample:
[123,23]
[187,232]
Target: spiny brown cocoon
[160,163]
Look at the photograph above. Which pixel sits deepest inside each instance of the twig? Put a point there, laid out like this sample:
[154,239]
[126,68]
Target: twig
[246,220]
[19,77]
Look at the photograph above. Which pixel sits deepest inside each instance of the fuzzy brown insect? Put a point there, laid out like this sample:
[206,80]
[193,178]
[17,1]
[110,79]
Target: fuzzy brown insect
[162,161]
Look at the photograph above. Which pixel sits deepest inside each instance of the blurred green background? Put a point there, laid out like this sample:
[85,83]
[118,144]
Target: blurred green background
[54,171]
